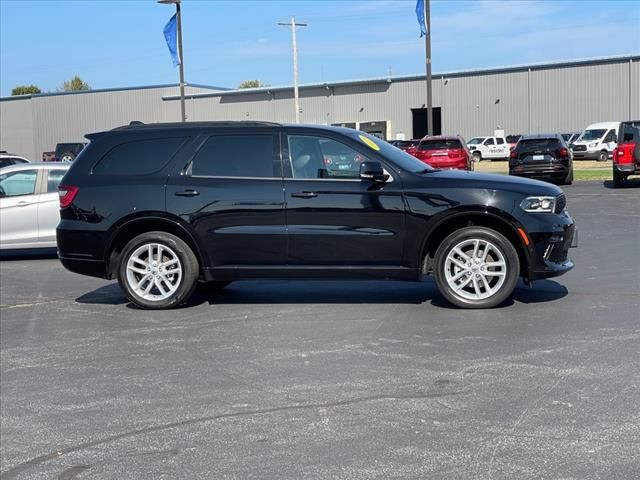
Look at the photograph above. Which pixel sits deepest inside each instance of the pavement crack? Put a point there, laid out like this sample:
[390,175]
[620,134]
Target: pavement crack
[18,469]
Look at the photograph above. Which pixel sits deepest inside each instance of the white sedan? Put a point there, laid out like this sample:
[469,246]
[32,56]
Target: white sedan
[29,205]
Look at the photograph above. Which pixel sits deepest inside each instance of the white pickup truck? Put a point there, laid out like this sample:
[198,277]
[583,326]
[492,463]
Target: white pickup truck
[488,148]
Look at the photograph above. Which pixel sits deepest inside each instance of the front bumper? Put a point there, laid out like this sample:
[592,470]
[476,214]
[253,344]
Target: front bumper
[550,249]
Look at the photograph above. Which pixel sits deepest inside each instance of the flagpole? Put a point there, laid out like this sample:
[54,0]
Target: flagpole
[182,105]
[180,54]
[427,41]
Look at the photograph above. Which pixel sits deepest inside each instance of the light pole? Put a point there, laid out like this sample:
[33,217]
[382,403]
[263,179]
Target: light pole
[179,22]
[427,41]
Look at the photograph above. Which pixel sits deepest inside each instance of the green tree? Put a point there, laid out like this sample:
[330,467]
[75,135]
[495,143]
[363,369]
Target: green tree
[252,84]
[25,90]
[76,84]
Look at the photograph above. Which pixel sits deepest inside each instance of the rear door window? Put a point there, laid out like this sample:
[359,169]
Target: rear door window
[248,155]
[139,157]
[500,141]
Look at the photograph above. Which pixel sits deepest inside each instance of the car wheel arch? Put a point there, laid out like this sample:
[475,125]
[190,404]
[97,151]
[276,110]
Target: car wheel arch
[142,223]
[479,218]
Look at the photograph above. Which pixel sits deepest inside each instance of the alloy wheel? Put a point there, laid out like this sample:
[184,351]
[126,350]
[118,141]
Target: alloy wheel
[475,269]
[154,272]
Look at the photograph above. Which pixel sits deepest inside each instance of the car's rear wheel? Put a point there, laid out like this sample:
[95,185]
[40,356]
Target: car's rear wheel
[476,267]
[603,156]
[67,157]
[618,178]
[477,156]
[569,179]
[157,270]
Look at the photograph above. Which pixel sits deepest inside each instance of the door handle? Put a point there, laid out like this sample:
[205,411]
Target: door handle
[187,193]
[22,204]
[304,194]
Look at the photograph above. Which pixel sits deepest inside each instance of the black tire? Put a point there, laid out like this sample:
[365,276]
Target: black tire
[603,156]
[477,156]
[211,287]
[187,261]
[569,179]
[618,178]
[499,242]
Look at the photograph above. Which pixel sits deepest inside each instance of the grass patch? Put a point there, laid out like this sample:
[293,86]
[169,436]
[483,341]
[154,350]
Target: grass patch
[601,174]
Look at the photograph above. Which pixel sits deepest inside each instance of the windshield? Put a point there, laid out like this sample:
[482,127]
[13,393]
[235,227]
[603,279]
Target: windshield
[588,135]
[513,138]
[440,145]
[476,140]
[398,157]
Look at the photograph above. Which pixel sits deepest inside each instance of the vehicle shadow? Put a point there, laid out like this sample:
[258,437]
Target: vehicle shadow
[253,292]
[628,183]
[29,254]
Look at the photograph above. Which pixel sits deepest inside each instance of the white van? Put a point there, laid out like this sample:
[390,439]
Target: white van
[596,142]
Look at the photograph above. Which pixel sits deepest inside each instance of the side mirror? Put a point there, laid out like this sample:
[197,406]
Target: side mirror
[373,171]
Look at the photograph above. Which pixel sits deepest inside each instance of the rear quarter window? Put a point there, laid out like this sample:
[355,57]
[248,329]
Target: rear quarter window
[138,157]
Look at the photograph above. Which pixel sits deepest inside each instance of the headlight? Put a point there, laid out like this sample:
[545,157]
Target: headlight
[539,204]
[593,145]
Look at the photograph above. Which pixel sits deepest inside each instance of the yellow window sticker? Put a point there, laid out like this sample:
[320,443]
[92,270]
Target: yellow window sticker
[370,143]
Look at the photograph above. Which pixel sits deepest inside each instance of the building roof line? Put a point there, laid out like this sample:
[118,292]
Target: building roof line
[107,90]
[404,78]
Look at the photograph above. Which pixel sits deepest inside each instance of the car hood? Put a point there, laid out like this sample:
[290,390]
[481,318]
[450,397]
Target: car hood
[473,180]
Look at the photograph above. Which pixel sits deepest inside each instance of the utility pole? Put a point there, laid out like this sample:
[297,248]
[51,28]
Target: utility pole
[427,40]
[294,42]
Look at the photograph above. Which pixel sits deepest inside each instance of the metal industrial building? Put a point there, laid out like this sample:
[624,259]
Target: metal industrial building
[549,97]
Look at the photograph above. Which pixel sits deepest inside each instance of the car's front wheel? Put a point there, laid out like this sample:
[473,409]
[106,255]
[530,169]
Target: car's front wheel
[603,156]
[476,267]
[157,270]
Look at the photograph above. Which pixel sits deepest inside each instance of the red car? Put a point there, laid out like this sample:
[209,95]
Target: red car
[445,152]
[408,146]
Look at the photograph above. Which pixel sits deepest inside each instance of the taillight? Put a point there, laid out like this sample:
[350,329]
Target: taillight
[66,194]
[513,154]
[624,153]
[456,153]
[564,152]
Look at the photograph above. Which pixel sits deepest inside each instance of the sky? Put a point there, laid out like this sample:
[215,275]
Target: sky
[113,43]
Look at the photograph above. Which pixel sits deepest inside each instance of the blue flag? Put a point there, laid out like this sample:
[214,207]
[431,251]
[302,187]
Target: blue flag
[170,31]
[421,19]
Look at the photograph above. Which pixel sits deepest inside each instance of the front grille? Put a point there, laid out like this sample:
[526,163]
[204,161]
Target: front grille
[579,148]
[561,202]
[558,254]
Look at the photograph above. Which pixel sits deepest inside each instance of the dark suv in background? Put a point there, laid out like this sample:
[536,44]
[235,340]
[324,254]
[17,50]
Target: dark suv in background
[161,207]
[542,156]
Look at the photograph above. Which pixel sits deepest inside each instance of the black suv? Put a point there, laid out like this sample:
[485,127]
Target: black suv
[162,207]
[542,156]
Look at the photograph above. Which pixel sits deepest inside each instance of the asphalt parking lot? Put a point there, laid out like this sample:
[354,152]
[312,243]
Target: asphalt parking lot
[357,380]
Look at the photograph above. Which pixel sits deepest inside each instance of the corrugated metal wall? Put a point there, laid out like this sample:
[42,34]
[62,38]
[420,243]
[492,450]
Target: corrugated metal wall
[34,125]
[552,98]
[541,99]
